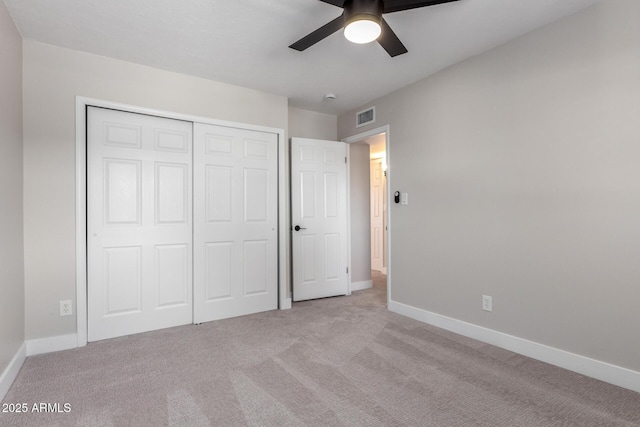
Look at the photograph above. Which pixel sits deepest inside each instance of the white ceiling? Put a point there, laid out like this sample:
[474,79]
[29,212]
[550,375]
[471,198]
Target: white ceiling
[245,42]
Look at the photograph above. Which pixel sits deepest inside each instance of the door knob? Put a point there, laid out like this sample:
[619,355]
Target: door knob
[298,228]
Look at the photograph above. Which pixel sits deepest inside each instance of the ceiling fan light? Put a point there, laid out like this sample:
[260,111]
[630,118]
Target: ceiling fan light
[362,30]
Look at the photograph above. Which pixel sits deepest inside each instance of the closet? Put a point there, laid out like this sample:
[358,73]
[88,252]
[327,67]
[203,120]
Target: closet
[182,222]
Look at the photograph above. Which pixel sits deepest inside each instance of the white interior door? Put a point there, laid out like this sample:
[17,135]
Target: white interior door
[139,223]
[319,218]
[377,215]
[235,222]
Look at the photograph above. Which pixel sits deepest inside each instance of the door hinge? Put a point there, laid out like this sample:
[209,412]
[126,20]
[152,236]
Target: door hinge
[347,270]
[345,160]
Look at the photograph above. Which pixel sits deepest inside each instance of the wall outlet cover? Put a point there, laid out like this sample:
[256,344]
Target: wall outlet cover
[66,307]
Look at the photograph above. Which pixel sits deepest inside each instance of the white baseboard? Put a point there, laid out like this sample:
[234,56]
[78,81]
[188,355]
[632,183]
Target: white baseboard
[359,286]
[603,371]
[49,345]
[11,372]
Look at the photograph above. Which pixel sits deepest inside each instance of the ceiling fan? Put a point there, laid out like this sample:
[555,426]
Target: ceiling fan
[363,23]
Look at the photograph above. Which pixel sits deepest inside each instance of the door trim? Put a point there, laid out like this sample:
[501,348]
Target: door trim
[82,103]
[357,138]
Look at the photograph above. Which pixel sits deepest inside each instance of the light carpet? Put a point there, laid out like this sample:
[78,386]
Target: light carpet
[342,361]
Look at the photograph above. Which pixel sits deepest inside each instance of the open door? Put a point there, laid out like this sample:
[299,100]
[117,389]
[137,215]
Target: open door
[319,218]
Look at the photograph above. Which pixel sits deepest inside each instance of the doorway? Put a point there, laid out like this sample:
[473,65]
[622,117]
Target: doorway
[371,150]
[378,187]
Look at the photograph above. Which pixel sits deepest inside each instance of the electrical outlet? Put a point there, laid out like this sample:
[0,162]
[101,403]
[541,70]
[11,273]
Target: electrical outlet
[487,303]
[66,307]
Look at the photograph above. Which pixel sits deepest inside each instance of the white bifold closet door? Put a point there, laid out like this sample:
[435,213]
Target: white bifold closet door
[181,222]
[235,220]
[139,223]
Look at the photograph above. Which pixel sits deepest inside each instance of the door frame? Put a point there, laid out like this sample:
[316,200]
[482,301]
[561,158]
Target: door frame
[82,103]
[357,138]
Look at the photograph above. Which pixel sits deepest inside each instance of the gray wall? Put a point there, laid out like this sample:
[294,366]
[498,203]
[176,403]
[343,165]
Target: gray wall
[360,200]
[52,78]
[522,168]
[11,235]
[309,124]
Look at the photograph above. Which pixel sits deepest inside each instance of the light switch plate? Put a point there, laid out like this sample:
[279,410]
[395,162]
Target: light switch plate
[487,303]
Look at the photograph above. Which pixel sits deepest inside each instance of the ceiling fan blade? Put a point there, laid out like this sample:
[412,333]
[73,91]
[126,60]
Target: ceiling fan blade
[319,34]
[338,3]
[398,5]
[390,42]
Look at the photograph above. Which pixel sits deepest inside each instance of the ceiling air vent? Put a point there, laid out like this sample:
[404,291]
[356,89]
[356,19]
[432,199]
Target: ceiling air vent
[366,117]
